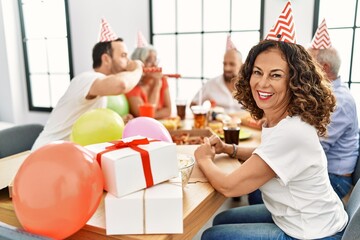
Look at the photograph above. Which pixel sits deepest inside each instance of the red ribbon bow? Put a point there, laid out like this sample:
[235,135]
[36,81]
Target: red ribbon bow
[145,158]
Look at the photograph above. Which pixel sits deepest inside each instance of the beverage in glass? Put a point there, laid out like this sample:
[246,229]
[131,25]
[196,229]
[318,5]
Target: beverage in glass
[147,110]
[181,108]
[200,116]
[231,128]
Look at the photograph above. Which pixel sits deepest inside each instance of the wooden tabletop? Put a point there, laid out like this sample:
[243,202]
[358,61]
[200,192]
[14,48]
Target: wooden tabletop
[200,202]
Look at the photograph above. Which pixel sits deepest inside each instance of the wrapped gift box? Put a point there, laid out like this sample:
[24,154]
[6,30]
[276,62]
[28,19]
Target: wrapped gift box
[155,210]
[126,170]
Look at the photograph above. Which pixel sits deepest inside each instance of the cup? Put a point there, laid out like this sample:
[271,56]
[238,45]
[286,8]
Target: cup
[186,164]
[147,110]
[181,108]
[231,128]
[200,116]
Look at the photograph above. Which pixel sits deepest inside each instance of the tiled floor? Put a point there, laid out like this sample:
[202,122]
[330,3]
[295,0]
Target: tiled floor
[229,203]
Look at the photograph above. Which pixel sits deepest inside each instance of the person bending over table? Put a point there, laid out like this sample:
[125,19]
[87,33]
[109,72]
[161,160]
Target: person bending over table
[113,74]
[281,82]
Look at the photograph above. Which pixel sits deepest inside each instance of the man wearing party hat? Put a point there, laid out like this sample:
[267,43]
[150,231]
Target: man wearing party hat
[342,141]
[219,89]
[113,74]
[279,81]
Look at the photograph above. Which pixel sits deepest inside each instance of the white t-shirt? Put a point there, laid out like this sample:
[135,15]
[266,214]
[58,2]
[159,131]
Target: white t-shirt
[216,90]
[69,108]
[301,200]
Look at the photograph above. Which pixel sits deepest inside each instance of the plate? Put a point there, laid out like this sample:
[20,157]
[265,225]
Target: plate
[242,136]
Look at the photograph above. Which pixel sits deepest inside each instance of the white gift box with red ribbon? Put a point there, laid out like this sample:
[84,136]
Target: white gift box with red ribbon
[135,163]
[155,210]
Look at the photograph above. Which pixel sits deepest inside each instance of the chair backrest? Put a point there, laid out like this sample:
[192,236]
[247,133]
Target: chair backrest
[356,173]
[352,231]
[18,138]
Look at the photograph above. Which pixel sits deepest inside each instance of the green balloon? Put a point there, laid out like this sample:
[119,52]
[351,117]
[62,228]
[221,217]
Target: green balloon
[118,104]
[97,126]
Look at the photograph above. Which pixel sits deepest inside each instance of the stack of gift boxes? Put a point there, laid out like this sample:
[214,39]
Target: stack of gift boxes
[139,199]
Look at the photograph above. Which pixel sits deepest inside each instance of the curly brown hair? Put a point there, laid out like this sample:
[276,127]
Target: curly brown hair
[311,97]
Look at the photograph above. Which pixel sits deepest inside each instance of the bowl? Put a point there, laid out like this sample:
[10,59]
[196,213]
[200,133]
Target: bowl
[186,164]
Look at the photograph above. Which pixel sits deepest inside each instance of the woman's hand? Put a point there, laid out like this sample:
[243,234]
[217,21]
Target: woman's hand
[216,142]
[204,152]
[156,82]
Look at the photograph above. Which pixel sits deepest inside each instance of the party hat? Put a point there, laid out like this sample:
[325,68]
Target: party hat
[141,41]
[321,38]
[106,33]
[284,29]
[229,43]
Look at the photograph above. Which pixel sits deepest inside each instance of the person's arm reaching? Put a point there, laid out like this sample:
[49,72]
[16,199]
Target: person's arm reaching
[119,83]
[252,174]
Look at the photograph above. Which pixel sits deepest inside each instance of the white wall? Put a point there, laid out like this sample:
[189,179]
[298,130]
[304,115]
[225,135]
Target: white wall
[5,95]
[126,17]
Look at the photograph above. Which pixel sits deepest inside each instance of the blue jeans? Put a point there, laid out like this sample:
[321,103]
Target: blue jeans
[249,222]
[340,184]
[255,197]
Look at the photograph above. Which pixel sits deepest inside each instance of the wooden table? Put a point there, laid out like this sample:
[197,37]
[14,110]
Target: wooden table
[200,202]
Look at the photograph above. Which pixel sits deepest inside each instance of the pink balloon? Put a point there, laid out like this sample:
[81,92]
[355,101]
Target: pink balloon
[147,127]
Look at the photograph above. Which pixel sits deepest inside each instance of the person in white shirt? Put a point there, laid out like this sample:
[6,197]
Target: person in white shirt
[114,73]
[219,89]
[279,80]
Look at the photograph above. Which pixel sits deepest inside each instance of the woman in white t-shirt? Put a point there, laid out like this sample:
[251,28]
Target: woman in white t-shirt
[281,82]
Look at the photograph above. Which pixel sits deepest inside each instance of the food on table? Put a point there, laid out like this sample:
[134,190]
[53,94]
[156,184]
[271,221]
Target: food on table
[171,123]
[186,139]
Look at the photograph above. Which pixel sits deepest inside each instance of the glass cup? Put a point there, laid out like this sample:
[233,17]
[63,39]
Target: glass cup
[231,128]
[186,164]
[147,110]
[200,116]
[181,108]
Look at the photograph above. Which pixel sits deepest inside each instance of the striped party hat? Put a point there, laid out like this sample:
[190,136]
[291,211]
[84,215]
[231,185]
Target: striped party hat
[106,33]
[141,41]
[284,29]
[321,39]
[229,43]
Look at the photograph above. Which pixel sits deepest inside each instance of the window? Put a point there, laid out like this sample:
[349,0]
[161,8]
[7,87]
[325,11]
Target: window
[190,37]
[47,53]
[343,22]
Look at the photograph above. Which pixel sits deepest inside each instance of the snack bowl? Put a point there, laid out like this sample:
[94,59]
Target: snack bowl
[186,165]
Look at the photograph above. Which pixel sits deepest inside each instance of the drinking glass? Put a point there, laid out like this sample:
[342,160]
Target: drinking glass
[231,128]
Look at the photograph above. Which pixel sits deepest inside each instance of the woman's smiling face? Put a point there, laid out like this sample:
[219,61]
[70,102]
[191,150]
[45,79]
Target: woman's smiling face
[269,81]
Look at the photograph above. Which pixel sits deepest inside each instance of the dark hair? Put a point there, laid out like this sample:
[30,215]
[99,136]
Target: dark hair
[99,49]
[311,97]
